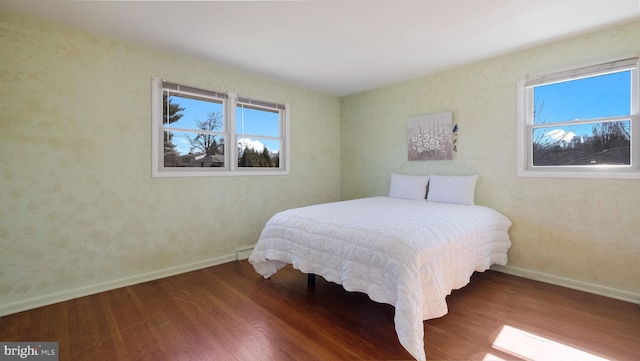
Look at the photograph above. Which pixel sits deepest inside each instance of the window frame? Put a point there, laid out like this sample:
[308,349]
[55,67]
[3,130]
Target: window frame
[525,123]
[229,101]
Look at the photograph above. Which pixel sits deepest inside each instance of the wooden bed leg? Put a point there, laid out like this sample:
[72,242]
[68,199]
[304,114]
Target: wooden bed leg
[311,280]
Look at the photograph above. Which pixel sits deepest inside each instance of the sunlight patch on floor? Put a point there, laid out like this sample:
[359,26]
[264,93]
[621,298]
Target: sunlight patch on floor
[528,346]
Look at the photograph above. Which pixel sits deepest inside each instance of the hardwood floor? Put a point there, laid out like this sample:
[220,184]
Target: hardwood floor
[228,312]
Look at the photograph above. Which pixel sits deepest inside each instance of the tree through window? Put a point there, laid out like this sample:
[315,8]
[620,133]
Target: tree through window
[212,133]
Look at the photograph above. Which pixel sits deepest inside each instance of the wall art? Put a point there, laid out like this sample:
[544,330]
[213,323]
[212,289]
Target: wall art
[431,137]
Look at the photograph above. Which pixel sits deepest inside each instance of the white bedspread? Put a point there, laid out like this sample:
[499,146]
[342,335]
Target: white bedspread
[410,254]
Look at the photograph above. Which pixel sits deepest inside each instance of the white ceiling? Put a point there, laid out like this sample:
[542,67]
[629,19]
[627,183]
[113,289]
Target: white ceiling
[338,47]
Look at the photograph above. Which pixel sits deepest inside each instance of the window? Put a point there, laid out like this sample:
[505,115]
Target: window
[199,132]
[581,122]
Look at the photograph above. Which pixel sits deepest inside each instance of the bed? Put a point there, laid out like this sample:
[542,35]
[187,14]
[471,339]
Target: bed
[404,252]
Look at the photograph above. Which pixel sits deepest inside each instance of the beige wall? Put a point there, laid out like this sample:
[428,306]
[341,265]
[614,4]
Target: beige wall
[79,211]
[581,232]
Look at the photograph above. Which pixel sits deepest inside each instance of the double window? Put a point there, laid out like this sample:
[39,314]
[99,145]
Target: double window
[580,123]
[200,132]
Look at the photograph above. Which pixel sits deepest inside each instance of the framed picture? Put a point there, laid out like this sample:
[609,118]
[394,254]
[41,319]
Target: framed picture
[430,137]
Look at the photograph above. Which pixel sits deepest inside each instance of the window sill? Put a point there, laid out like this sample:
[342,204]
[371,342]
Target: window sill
[604,174]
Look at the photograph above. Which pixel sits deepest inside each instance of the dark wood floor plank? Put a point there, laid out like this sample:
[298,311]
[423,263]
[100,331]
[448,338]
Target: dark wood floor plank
[229,312]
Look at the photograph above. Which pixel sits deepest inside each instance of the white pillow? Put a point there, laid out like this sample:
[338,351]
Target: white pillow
[408,186]
[452,189]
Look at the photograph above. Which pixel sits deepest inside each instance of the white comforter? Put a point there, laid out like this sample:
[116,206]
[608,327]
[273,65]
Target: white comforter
[410,254]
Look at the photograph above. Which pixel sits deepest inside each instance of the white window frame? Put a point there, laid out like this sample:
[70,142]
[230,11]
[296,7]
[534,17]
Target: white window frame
[525,104]
[229,100]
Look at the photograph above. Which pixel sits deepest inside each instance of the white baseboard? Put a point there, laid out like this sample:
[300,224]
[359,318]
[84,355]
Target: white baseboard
[570,283]
[51,298]
[244,253]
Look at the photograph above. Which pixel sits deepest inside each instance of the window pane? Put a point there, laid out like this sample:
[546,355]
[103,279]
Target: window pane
[605,143]
[258,153]
[255,129]
[600,96]
[187,149]
[257,121]
[192,113]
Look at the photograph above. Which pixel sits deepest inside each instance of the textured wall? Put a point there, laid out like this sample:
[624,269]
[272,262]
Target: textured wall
[78,206]
[580,229]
